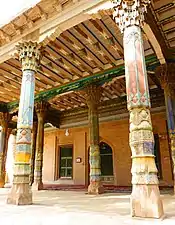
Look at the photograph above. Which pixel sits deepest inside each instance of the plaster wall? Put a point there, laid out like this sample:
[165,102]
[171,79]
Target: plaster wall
[114,133]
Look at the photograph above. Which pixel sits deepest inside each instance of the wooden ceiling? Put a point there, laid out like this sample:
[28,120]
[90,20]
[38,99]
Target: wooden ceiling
[114,89]
[86,49]
[164,11]
[91,47]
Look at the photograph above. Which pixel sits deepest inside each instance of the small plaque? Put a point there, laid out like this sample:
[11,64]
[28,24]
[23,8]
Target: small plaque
[78,160]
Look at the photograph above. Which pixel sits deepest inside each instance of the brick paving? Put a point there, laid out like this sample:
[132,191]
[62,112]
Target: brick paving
[70,208]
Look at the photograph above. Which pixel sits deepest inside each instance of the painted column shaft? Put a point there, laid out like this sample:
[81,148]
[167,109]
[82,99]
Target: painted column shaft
[24,126]
[144,171]
[145,197]
[170,110]
[165,73]
[94,160]
[93,95]
[21,193]
[2,156]
[29,54]
[41,110]
[141,135]
[38,184]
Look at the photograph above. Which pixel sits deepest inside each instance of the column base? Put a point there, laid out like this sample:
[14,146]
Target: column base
[146,201]
[37,186]
[20,194]
[95,188]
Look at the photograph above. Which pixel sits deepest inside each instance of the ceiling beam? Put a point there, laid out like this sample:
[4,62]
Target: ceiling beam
[155,36]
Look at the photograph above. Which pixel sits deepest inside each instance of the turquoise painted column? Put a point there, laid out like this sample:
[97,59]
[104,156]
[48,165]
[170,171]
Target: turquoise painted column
[166,75]
[145,197]
[20,194]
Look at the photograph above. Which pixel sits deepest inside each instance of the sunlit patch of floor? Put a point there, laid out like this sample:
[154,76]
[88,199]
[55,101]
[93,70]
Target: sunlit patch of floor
[70,208]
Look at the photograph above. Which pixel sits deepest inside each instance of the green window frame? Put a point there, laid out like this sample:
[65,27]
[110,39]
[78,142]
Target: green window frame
[66,162]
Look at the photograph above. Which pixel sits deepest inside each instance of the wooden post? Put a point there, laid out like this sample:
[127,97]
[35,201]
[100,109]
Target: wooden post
[93,95]
[41,109]
[32,162]
[166,75]
[5,118]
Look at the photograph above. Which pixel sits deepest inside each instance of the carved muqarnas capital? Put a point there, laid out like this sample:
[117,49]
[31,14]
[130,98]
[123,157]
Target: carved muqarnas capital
[129,12]
[93,95]
[5,118]
[41,108]
[166,75]
[29,55]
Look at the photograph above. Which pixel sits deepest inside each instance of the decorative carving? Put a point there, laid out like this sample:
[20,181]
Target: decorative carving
[29,55]
[165,73]
[41,109]
[142,146]
[5,118]
[129,12]
[94,162]
[93,95]
[23,136]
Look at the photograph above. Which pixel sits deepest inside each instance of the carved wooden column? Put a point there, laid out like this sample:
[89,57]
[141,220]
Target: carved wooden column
[166,75]
[93,95]
[32,162]
[145,197]
[29,55]
[5,118]
[41,109]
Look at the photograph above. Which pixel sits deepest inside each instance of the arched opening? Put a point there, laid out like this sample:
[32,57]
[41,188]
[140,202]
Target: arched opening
[107,174]
[106,160]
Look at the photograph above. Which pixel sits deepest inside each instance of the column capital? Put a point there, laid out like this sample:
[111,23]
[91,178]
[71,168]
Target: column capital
[41,108]
[93,95]
[165,74]
[5,118]
[29,55]
[129,12]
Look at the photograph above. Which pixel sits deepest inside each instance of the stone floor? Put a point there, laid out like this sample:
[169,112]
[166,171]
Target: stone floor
[70,208]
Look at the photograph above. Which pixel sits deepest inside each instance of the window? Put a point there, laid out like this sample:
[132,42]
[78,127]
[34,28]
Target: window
[106,159]
[66,162]
[157,155]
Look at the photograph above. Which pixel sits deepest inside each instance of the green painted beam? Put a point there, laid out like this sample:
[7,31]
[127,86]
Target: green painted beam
[98,79]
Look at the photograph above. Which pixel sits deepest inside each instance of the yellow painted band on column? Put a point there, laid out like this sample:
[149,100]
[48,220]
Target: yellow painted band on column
[141,165]
[22,157]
